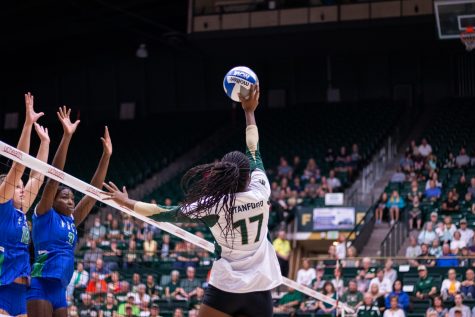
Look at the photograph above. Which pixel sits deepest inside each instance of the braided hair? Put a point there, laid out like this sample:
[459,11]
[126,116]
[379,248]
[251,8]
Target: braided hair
[210,189]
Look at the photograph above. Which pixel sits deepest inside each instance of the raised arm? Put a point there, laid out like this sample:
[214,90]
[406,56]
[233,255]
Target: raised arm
[85,205]
[36,179]
[12,179]
[46,201]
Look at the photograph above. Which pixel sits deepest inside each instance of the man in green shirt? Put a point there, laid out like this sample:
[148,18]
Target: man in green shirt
[367,309]
[425,286]
[289,302]
[352,296]
[130,303]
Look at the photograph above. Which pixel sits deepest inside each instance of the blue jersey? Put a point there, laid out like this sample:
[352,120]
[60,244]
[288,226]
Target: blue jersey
[14,240]
[54,238]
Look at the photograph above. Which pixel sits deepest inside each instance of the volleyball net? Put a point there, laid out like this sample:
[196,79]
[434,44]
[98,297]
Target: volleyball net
[80,186]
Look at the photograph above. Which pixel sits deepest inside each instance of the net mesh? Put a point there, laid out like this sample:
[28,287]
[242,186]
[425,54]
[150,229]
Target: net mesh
[468,38]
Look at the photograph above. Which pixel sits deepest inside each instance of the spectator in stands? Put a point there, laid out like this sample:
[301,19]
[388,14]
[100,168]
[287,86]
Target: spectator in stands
[343,161]
[289,303]
[96,285]
[355,156]
[297,185]
[435,249]
[190,284]
[466,203]
[338,282]
[310,305]
[306,274]
[352,296]
[178,313]
[332,258]
[131,254]
[149,248]
[326,308]
[311,188]
[418,162]
[98,231]
[297,165]
[381,208]
[109,308]
[340,248]
[311,170]
[395,204]
[467,287]
[394,310]
[471,188]
[434,219]
[378,297]
[461,186]
[450,205]
[368,309]
[415,214]
[437,307]
[384,284]
[406,164]
[389,272]
[121,311]
[350,259]
[450,286]
[78,281]
[424,149]
[450,161]
[425,286]
[112,257]
[140,295]
[446,230]
[114,232]
[330,158]
[432,193]
[458,305]
[462,160]
[187,258]
[413,250]
[86,307]
[128,227]
[173,289]
[447,259]
[195,301]
[282,249]
[333,181]
[414,192]
[151,288]
[457,243]
[284,170]
[464,260]
[91,255]
[102,271]
[136,281]
[155,311]
[324,188]
[115,286]
[398,176]
[427,235]
[403,298]
[431,163]
[166,246]
[369,271]
[425,258]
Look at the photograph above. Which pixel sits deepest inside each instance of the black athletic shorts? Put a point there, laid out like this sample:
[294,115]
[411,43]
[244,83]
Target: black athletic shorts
[255,304]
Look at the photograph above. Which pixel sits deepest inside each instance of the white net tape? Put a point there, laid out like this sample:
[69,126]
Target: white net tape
[468,38]
[86,189]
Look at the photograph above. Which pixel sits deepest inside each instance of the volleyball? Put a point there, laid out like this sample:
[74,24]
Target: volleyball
[238,81]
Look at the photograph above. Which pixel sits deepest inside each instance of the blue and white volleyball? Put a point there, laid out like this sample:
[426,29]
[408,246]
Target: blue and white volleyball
[238,81]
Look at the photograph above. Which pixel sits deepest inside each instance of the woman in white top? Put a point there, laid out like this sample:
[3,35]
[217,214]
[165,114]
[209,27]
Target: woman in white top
[427,235]
[231,197]
[306,274]
[457,243]
[394,310]
[450,286]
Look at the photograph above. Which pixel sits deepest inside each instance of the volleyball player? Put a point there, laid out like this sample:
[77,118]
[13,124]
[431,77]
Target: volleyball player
[54,230]
[15,201]
[231,197]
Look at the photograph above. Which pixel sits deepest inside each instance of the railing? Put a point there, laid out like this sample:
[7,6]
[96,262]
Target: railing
[362,230]
[392,242]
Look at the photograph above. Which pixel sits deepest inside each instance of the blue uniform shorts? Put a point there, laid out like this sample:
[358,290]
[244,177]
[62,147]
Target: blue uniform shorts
[48,289]
[13,299]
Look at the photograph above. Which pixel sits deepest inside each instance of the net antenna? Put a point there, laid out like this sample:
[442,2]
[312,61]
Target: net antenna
[467,37]
[93,192]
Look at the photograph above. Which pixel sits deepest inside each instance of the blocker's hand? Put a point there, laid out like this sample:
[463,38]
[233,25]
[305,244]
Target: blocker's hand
[114,193]
[250,104]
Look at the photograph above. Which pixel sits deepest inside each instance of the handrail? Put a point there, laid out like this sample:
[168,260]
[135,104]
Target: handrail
[366,225]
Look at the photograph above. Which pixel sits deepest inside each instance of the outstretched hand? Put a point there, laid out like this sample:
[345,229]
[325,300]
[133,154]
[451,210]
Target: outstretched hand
[107,142]
[31,115]
[114,193]
[42,132]
[64,117]
[250,103]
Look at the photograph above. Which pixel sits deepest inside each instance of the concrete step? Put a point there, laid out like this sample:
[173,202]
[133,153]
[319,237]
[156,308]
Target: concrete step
[373,246]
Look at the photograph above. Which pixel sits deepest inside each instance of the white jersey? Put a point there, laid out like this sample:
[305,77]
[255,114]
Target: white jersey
[248,260]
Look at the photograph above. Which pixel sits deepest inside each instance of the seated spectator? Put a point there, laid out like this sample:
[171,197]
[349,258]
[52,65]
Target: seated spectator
[457,243]
[284,170]
[140,296]
[289,303]
[136,281]
[435,249]
[438,307]
[394,310]
[98,231]
[418,162]
[433,176]
[134,309]
[326,308]
[395,203]
[378,297]
[155,311]
[428,235]
[109,308]
[115,286]
[461,186]
[467,203]
[309,305]
[384,285]
[101,270]
[178,313]
[446,231]
[340,248]
[398,176]
[149,248]
[297,185]
[196,301]
[471,188]
[330,158]
[297,165]
[431,163]
[333,182]
[282,249]
[415,214]
[450,205]
[450,161]
[425,258]
[406,164]
[121,295]
[91,256]
[367,272]
[338,282]
[173,289]
[402,297]
[355,156]
[311,188]
[467,287]
[78,281]
[112,258]
[434,219]
[462,160]
[432,193]
[425,286]
[447,259]
[87,307]
[413,250]
[424,149]
[368,309]
[389,272]
[311,171]
[187,258]
[131,254]
[352,296]
[114,231]
[458,305]
[343,161]
[450,286]
[73,311]
[306,274]
[151,288]
[464,258]
[332,258]
[166,246]
[381,208]
[96,285]
[350,260]
[190,284]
